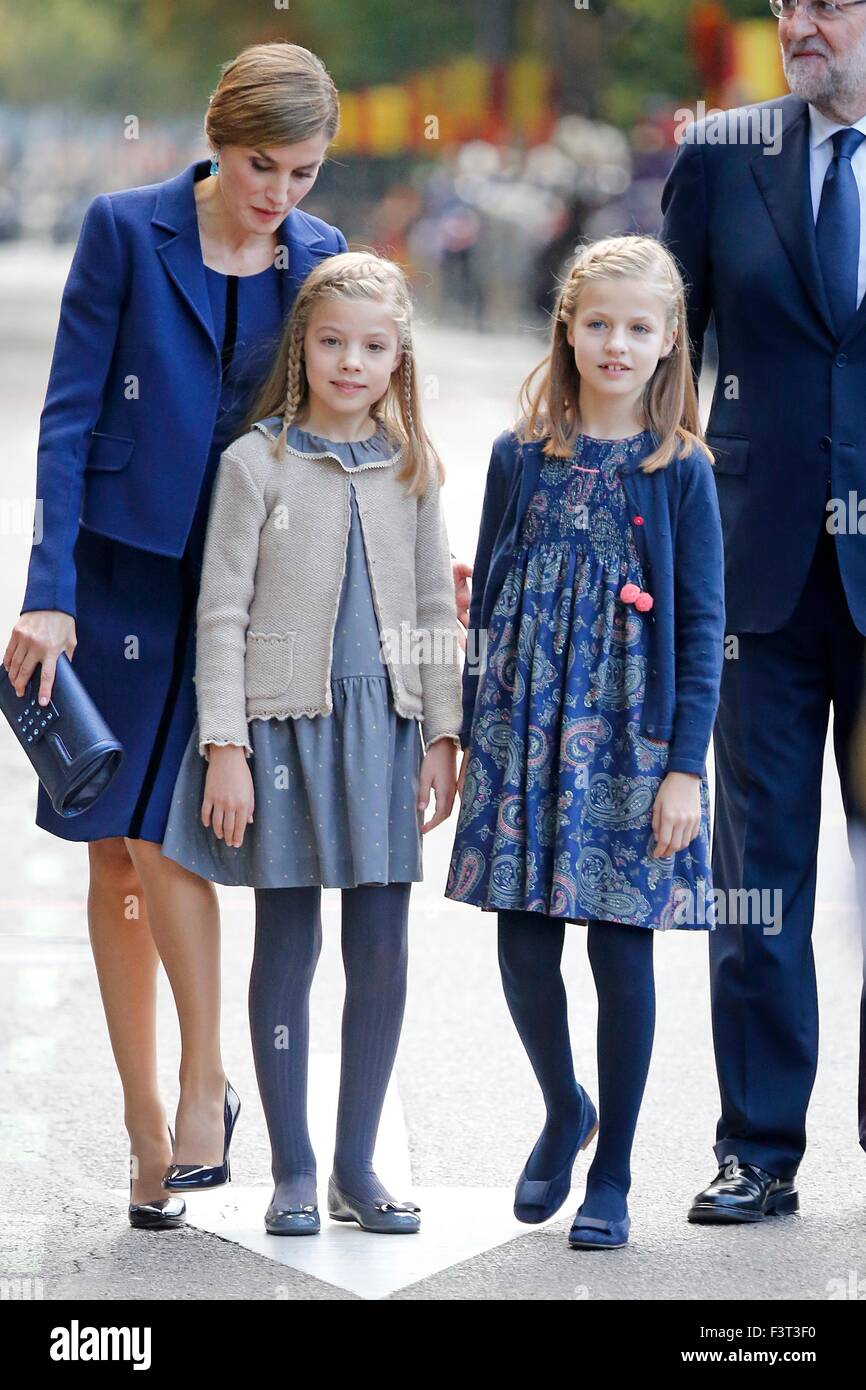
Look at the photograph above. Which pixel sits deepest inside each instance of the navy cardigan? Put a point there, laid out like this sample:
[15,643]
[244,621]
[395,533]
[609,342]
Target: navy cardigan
[674,515]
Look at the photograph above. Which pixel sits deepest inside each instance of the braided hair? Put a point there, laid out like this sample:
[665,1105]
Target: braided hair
[355,275]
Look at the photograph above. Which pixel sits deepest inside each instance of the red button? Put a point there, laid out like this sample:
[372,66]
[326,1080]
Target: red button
[638,521]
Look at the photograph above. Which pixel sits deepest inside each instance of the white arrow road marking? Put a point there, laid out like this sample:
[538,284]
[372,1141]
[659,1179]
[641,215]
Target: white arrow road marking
[457,1223]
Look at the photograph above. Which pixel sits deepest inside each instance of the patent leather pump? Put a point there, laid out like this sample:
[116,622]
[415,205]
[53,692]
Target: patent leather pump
[198,1177]
[164,1214]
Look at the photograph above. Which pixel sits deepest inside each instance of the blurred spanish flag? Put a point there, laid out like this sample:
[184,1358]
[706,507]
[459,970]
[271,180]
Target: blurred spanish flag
[739,61]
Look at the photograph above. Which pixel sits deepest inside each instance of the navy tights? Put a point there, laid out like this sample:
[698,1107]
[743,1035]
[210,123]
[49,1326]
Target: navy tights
[621,957]
[287,945]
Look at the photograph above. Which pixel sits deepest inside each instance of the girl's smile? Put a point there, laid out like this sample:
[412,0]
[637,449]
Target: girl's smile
[349,387]
[351,348]
[618,334]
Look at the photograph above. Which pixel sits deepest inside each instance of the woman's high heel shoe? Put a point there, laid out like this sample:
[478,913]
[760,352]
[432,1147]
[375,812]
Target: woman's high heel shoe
[536,1200]
[197,1177]
[165,1214]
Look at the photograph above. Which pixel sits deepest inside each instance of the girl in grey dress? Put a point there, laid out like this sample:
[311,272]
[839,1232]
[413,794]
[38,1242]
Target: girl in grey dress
[335,798]
[338,798]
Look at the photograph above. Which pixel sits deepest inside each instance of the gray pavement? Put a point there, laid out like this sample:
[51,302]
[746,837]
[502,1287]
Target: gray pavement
[468,1104]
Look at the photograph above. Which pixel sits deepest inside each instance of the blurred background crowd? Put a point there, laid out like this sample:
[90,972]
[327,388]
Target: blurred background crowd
[480,138]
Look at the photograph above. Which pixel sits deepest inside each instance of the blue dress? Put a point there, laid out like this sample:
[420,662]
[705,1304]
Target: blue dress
[556,815]
[136,609]
[335,795]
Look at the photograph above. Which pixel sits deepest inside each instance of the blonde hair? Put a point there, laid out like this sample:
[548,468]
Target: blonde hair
[354,275]
[272,94]
[550,408]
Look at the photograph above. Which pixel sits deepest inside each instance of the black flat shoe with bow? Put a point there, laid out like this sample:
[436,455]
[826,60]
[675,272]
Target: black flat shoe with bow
[292,1221]
[385,1218]
[749,1194]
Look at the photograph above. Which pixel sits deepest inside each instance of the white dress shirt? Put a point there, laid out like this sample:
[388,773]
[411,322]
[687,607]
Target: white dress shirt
[821,135]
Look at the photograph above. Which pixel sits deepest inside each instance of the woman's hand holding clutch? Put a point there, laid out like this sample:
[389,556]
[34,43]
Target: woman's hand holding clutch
[39,636]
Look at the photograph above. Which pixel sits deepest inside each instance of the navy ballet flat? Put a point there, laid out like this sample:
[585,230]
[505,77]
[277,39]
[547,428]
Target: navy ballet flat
[536,1200]
[592,1233]
[197,1177]
[164,1214]
[292,1221]
[385,1218]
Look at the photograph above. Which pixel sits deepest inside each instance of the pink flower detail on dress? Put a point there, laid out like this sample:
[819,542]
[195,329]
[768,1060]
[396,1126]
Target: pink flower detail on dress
[644,602]
[629,593]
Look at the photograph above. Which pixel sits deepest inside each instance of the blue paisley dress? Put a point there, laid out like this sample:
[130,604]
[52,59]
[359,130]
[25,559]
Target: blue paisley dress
[556,815]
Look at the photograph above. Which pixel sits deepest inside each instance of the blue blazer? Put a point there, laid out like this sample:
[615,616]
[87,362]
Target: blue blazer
[788,420]
[135,378]
[679,541]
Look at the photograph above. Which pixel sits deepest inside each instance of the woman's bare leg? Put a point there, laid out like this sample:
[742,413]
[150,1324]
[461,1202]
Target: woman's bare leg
[126,966]
[185,925]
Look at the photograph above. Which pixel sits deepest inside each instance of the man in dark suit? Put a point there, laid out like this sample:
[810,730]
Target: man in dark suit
[767,218]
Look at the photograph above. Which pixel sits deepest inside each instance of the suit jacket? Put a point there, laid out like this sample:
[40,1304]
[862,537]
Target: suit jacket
[674,518]
[788,419]
[135,378]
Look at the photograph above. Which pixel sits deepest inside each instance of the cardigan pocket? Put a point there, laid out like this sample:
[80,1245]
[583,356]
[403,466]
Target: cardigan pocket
[268,666]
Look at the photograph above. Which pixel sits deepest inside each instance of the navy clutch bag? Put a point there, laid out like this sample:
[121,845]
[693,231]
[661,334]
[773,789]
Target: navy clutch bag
[71,747]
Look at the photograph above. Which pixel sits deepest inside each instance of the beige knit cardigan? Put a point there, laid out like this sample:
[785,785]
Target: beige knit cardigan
[273,565]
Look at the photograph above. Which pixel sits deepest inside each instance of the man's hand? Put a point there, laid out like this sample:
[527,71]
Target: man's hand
[462,574]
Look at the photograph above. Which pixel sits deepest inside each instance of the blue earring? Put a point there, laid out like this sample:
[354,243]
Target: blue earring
[214,165]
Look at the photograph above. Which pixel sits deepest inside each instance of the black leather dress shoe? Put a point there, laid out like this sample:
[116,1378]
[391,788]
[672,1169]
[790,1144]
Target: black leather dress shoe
[749,1194]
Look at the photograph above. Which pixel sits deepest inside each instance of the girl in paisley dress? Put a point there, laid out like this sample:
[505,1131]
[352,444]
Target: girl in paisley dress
[597,600]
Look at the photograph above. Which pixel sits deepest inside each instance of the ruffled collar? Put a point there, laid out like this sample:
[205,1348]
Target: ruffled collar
[379,448]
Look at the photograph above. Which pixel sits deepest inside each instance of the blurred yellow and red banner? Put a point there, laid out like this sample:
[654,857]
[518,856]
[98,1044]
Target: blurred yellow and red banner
[466,99]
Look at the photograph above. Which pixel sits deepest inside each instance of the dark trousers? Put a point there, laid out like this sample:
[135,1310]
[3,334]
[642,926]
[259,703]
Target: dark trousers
[769,750]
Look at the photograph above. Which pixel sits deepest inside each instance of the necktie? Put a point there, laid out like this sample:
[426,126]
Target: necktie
[838,229]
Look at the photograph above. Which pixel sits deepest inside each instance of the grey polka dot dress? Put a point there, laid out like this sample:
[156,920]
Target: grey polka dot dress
[335,795]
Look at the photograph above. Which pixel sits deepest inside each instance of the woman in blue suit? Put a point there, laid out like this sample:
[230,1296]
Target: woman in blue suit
[174,302]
